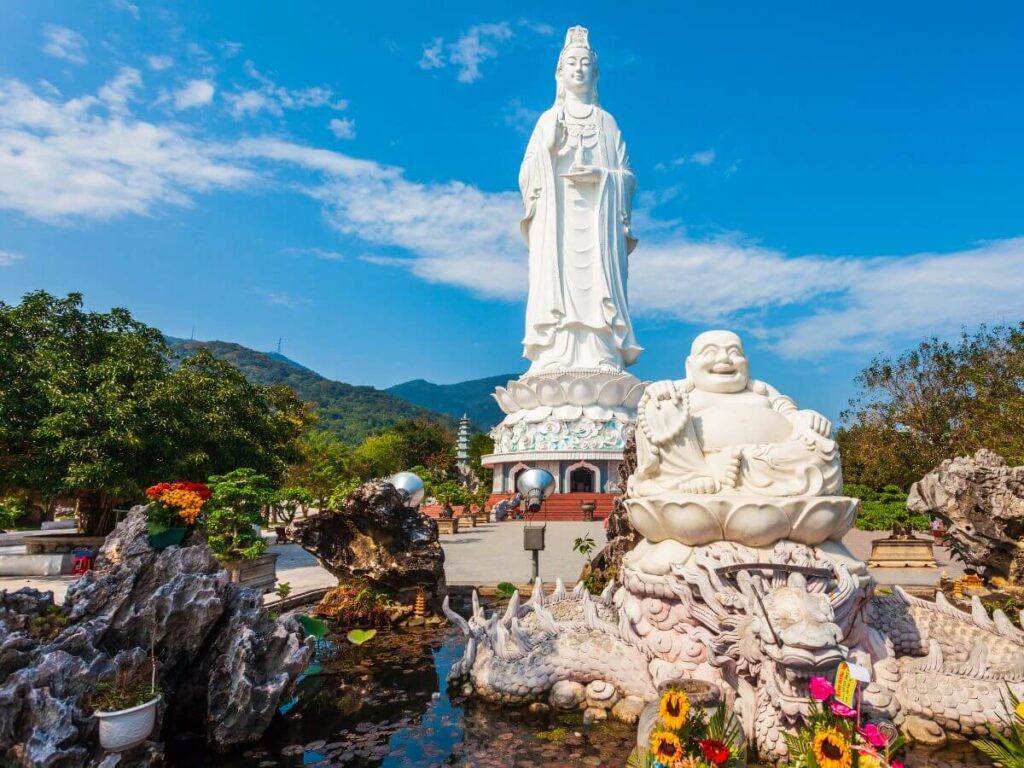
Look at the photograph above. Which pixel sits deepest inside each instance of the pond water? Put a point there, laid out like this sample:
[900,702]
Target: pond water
[385,705]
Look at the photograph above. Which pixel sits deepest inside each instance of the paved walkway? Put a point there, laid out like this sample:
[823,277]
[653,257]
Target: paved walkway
[493,552]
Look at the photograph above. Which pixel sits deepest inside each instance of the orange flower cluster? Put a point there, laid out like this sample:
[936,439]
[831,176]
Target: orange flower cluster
[186,498]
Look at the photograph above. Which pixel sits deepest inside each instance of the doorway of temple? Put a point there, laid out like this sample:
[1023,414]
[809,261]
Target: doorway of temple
[581,480]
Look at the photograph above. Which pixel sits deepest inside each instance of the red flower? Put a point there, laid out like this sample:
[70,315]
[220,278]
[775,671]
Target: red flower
[200,489]
[714,751]
[154,491]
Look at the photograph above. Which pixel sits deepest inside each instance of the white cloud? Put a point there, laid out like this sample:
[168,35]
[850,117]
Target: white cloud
[433,54]
[117,92]
[275,99]
[473,47]
[343,128]
[321,253]
[63,43]
[803,306]
[7,258]
[519,116]
[195,93]
[703,158]
[707,157]
[281,299]
[159,63]
[127,7]
[88,157]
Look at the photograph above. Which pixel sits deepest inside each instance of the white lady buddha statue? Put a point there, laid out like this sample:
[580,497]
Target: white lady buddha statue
[577,190]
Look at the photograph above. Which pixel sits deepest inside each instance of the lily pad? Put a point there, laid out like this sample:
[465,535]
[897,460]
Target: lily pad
[360,636]
[506,589]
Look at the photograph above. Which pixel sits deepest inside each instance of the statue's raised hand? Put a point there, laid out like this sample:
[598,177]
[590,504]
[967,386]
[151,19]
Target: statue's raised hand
[660,391]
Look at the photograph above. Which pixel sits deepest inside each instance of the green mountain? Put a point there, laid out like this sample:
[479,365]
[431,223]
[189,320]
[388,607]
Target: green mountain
[350,412]
[470,397]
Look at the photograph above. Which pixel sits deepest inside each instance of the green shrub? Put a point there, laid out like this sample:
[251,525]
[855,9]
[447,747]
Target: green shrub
[880,510]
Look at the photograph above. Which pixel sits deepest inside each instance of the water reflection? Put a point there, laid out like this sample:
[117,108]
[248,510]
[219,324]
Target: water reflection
[385,705]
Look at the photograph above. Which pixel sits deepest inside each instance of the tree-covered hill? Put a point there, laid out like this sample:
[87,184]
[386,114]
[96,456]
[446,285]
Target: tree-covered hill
[470,397]
[350,412]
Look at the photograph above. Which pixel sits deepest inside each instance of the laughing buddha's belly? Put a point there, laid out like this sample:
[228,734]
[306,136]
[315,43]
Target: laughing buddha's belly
[723,426]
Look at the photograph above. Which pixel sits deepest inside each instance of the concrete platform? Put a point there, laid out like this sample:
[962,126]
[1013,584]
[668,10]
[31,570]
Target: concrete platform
[493,552]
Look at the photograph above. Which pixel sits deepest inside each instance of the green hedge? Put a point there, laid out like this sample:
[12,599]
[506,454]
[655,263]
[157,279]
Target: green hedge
[880,510]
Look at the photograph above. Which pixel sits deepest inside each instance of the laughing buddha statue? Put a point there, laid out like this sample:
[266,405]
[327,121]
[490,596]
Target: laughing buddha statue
[723,457]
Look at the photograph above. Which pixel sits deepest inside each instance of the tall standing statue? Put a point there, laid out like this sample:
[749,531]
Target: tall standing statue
[577,190]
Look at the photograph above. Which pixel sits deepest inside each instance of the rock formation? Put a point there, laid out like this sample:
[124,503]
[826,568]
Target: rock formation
[981,501]
[622,537]
[377,539]
[223,664]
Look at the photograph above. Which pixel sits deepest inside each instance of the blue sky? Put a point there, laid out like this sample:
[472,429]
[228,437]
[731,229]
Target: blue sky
[832,182]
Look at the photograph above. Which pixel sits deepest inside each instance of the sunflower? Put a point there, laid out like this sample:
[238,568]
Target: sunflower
[666,747]
[1019,710]
[868,760]
[831,749]
[674,708]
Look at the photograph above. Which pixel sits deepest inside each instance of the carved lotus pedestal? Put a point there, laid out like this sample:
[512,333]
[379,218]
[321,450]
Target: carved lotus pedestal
[755,521]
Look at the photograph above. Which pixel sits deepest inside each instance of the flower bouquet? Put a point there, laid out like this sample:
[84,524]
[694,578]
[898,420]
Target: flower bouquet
[685,737]
[834,738]
[1005,746]
[174,509]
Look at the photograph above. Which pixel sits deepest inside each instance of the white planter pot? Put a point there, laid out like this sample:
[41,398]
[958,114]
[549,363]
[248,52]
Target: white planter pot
[127,728]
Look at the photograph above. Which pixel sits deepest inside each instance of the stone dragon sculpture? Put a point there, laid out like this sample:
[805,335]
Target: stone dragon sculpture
[758,624]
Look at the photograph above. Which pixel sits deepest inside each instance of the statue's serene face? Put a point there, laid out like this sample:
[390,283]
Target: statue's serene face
[717,363]
[577,71]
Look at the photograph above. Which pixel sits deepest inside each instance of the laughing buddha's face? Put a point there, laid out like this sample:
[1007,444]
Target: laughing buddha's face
[717,363]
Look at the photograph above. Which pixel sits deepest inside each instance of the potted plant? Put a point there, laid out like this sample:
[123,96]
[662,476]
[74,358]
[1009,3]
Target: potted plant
[126,707]
[232,524]
[173,511]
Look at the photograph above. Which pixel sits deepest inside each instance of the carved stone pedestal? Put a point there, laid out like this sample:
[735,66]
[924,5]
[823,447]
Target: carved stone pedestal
[902,553]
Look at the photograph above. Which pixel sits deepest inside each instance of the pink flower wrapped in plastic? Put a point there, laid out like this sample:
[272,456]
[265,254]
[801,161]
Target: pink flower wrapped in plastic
[838,708]
[873,735]
[821,688]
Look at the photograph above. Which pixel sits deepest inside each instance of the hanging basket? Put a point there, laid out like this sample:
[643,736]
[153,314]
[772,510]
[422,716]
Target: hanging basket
[172,537]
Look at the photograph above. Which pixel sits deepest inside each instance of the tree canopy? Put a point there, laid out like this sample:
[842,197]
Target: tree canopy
[938,400]
[91,408]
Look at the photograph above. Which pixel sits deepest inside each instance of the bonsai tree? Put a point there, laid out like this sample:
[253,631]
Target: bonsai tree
[235,507]
[286,502]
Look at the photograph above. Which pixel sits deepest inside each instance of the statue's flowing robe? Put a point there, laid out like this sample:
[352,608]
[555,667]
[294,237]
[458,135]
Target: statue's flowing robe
[605,309]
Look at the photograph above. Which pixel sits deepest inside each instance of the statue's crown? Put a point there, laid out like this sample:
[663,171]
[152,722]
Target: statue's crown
[577,37]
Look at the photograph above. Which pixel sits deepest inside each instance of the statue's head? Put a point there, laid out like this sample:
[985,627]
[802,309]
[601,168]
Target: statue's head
[577,66]
[717,363]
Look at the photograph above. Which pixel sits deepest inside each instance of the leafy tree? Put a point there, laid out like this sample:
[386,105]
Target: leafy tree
[324,464]
[221,421]
[77,403]
[380,455]
[936,401]
[287,501]
[91,409]
[481,444]
[235,506]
